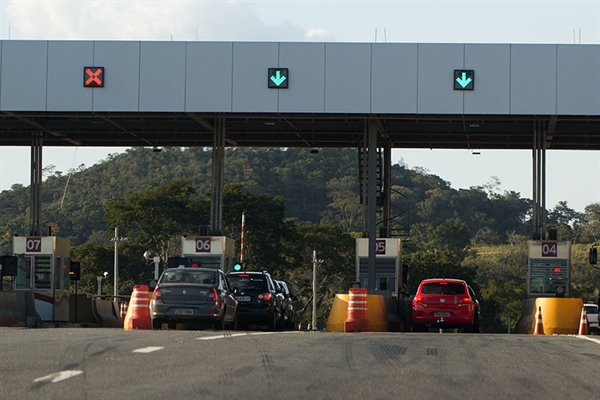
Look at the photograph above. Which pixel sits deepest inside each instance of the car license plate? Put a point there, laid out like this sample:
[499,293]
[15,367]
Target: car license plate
[243,298]
[442,314]
[184,311]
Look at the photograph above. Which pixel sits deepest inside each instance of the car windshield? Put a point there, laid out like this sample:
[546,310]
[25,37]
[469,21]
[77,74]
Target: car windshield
[177,276]
[443,288]
[247,282]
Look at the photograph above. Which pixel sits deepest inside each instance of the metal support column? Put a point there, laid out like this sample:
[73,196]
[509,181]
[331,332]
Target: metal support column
[372,201]
[218,176]
[35,205]
[539,180]
[387,191]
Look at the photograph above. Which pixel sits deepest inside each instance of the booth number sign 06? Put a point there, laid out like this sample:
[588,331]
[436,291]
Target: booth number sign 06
[203,245]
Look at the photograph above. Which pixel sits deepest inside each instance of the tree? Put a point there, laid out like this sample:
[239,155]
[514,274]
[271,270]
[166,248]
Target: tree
[157,217]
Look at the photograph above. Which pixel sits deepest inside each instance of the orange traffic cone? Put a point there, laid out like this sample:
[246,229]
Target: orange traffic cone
[583,325]
[138,312]
[539,326]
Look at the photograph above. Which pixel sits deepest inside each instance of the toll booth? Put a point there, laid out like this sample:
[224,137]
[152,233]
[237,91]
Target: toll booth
[206,252]
[43,267]
[549,268]
[388,265]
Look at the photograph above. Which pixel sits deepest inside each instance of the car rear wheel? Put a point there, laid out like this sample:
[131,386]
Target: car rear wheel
[272,322]
[234,325]
[473,327]
[157,324]
[219,324]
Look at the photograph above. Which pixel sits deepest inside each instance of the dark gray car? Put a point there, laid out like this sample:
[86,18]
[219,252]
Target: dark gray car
[190,295]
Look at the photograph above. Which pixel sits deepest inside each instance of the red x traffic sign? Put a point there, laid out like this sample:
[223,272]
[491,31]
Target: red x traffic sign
[93,76]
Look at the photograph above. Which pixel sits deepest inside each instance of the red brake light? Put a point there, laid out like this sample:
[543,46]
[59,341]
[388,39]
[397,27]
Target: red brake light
[467,300]
[157,295]
[244,275]
[264,296]
[212,295]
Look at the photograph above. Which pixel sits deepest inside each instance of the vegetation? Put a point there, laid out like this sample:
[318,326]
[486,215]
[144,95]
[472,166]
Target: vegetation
[296,202]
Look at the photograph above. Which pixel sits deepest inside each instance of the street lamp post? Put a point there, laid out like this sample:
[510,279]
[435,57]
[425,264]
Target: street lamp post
[116,240]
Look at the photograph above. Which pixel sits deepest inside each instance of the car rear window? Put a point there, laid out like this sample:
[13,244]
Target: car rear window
[591,310]
[443,288]
[175,276]
[247,282]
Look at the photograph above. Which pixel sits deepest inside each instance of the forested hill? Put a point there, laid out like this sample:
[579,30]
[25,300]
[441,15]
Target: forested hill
[320,187]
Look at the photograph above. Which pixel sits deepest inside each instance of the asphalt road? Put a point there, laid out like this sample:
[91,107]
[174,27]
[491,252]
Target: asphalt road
[87,363]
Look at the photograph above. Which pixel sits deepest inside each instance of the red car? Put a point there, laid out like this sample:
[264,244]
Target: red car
[445,303]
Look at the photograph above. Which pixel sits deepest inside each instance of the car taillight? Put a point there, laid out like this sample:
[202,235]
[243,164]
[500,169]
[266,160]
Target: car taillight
[212,295]
[418,301]
[157,295]
[264,296]
[467,300]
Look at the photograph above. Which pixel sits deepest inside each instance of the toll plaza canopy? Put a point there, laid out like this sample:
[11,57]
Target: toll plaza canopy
[286,94]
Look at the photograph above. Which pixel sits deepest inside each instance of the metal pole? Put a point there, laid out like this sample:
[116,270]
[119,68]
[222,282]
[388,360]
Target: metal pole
[156,264]
[314,305]
[116,272]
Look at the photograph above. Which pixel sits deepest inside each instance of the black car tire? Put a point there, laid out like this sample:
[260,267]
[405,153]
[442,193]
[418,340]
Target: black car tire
[220,323]
[473,327]
[272,322]
[234,325]
[157,324]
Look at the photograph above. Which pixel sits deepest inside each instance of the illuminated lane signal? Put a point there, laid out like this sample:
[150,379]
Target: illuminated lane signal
[93,77]
[464,79]
[278,78]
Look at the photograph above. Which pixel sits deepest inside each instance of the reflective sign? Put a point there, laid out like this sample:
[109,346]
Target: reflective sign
[93,77]
[464,79]
[278,78]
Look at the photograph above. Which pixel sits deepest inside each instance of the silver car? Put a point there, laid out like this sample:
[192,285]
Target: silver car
[591,310]
[190,295]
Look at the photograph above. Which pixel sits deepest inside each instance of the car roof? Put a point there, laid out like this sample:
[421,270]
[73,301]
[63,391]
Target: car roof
[435,280]
[192,269]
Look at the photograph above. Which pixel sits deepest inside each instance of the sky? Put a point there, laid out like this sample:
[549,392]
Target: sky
[571,176]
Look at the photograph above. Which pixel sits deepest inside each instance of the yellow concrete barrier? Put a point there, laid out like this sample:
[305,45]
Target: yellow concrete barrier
[560,316]
[377,312]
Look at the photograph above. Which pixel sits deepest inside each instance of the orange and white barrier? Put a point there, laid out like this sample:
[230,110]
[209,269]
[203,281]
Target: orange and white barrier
[138,312]
[357,319]
[123,310]
[583,324]
[539,326]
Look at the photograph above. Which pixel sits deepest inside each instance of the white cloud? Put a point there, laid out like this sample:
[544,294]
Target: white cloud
[319,35]
[141,20]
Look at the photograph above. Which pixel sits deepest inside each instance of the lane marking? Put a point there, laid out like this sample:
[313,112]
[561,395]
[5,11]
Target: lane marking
[589,338]
[147,349]
[59,376]
[229,335]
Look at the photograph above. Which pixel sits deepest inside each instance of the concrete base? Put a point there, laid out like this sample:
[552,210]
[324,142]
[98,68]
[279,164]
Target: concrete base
[560,316]
[377,312]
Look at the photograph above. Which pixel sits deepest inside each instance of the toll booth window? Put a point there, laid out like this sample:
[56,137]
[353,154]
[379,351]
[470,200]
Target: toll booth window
[43,273]
[207,261]
[23,273]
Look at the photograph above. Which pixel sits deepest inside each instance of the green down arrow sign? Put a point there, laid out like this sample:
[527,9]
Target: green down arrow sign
[464,79]
[278,78]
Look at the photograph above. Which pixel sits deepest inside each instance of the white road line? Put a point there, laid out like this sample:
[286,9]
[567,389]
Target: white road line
[589,338]
[229,335]
[147,349]
[59,376]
